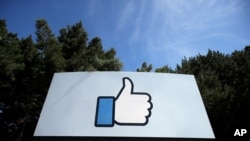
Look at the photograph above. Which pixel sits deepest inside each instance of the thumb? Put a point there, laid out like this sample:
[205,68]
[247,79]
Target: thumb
[127,87]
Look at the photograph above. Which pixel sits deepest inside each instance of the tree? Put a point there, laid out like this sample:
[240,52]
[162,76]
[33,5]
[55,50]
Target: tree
[10,53]
[11,111]
[49,49]
[32,93]
[145,67]
[50,55]
[82,57]
[224,82]
[165,69]
[98,59]
[74,43]
[27,68]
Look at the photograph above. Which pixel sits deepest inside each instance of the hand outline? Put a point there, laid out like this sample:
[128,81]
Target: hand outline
[127,108]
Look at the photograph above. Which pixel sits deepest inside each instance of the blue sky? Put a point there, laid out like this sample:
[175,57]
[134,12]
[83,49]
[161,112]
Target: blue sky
[160,32]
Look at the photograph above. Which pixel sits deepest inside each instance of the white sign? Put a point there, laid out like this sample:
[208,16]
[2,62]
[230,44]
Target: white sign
[124,104]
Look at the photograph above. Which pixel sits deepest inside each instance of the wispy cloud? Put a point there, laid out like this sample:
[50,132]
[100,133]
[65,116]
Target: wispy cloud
[139,22]
[183,23]
[164,31]
[125,15]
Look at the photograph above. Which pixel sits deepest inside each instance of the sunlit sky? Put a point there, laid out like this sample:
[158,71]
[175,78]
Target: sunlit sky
[159,32]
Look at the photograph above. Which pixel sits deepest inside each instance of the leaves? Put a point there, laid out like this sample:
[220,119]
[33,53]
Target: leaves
[145,67]
[27,68]
[165,69]
[224,82]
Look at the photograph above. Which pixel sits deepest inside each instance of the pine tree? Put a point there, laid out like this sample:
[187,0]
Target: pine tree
[82,57]
[74,43]
[11,109]
[165,69]
[49,49]
[98,59]
[145,67]
[223,81]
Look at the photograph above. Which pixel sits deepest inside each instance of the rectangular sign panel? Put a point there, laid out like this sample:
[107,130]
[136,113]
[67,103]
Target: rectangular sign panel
[124,104]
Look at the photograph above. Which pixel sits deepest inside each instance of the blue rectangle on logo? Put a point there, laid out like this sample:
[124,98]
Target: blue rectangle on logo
[105,112]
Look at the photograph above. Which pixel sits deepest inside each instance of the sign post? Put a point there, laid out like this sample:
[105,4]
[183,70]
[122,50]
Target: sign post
[119,105]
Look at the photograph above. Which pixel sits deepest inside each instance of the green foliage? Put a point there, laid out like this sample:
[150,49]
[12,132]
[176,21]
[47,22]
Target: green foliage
[10,64]
[100,60]
[73,40]
[49,49]
[224,82]
[27,68]
[81,56]
[165,69]
[145,67]
[9,53]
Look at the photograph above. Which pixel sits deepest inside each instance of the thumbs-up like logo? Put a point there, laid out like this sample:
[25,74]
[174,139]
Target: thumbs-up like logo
[128,108]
